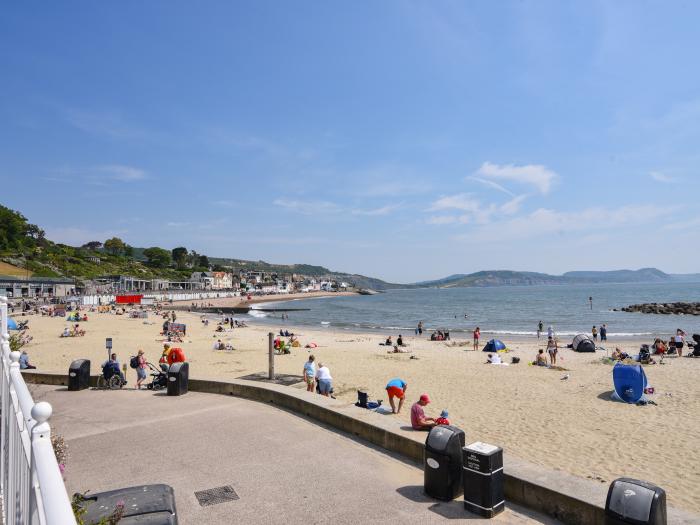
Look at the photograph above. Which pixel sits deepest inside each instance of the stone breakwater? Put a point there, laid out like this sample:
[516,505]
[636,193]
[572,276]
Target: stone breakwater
[663,308]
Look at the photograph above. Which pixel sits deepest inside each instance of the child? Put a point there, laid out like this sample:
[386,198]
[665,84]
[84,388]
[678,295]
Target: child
[442,420]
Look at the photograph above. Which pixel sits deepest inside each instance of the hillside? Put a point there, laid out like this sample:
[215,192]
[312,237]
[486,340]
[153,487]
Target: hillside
[510,278]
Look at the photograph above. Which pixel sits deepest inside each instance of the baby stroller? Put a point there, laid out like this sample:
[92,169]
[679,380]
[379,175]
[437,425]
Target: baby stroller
[695,347]
[160,377]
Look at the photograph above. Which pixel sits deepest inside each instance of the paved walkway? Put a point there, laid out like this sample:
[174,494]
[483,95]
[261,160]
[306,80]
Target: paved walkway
[285,468]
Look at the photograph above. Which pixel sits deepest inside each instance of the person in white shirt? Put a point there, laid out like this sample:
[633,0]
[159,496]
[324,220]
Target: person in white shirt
[550,332]
[494,359]
[323,376]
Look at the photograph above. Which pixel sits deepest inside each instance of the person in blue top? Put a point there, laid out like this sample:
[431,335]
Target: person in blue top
[310,373]
[396,388]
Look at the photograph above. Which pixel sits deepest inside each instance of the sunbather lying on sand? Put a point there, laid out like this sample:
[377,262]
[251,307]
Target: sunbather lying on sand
[398,350]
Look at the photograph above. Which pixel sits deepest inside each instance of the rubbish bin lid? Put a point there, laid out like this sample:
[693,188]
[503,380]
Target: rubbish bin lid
[482,448]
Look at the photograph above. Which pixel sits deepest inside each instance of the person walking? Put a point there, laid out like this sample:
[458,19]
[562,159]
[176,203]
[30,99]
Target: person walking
[552,350]
[140,369]
[477,335]
[540,327]
[396,388]
[310,373]
[603,333]
[323,375]
[594,333]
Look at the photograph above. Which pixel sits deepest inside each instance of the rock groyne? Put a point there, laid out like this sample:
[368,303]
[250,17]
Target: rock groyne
[679,308]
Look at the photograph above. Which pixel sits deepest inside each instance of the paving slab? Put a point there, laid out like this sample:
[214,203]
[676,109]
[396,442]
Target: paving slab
[284,468]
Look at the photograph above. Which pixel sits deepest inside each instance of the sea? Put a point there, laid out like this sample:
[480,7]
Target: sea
[503,310]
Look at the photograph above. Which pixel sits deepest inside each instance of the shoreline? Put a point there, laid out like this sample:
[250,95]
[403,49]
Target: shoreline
[242,301]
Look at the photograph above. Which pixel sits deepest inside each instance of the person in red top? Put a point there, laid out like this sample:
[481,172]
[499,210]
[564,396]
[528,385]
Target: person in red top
[418,419]
[442,420]
[477,334]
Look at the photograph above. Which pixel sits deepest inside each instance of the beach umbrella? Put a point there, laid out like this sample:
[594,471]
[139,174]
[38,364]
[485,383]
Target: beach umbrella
[11,324]
[494,345]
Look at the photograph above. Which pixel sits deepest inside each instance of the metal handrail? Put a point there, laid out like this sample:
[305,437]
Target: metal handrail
[31,484]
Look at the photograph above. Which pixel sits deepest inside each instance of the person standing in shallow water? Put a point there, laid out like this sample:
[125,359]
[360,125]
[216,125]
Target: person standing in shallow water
[540,328]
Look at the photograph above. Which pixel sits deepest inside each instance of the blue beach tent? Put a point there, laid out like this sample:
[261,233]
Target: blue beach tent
[11,324]
[494,345]
[630,382]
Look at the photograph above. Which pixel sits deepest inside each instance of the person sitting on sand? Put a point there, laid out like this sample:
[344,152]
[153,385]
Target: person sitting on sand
[418,419]
[442,420]
[397,350]
[616,355]
[77,331]
[388,342]
[659,346]
[66,332]
[399,341]
[493,359]
[219,345]
[396,388]
[541,359]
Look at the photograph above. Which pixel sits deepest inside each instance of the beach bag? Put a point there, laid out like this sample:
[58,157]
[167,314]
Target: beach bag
[134,362]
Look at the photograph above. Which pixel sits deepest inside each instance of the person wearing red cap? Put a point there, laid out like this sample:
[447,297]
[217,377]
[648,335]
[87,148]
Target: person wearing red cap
[418,419]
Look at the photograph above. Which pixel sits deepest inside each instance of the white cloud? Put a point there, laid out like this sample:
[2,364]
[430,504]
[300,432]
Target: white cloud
[384,210]
[123,173]
[535,175]
[308,207]
[513,206]
[493,185]
[661,177]
[589,221]
[460,201]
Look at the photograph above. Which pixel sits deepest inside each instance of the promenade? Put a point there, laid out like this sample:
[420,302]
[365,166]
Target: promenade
[284,468]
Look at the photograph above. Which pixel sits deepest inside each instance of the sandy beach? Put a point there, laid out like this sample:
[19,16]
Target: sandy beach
[570,425]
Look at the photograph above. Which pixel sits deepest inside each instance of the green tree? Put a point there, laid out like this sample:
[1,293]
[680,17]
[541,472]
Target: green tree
[157,257]
[180,256]
[15,231]
[92,245]
[115,246]
[203,261]
[128,250]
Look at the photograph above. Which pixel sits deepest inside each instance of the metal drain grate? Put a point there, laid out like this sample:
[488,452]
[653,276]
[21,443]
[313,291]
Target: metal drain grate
[215,496]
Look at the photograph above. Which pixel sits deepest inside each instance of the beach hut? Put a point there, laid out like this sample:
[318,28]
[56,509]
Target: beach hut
[494,345]
[11,324]
[629,382]
[583,343]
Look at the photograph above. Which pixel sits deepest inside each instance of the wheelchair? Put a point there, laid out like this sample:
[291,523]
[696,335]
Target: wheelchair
[110,379]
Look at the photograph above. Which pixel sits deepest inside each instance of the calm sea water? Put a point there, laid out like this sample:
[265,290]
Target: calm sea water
[514,310]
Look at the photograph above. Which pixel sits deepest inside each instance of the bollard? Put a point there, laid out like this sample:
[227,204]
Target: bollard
[271,355]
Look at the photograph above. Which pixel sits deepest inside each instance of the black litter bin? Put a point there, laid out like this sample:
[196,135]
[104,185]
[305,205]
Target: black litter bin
[443,462]
[635,502]
[145,505]
[178,377]
[483,479]
[79,374]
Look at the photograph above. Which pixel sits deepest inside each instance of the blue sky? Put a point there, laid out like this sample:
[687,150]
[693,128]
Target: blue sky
[404,140]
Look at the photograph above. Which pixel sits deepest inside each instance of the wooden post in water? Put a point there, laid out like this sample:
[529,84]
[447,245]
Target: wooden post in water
[271,356]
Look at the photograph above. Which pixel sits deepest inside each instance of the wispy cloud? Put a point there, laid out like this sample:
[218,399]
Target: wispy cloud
[123,173]
[460,201]
[384,210]
[493,185]
[535,175]
[662,177]
[224,204]
[513,206]
[308,207]
[106,123]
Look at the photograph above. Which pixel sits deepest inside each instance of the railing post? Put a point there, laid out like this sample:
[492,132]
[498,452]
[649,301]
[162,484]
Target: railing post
[46,474]
[271,355]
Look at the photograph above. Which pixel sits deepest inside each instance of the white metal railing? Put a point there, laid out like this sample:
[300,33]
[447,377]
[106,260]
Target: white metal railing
[33,492]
